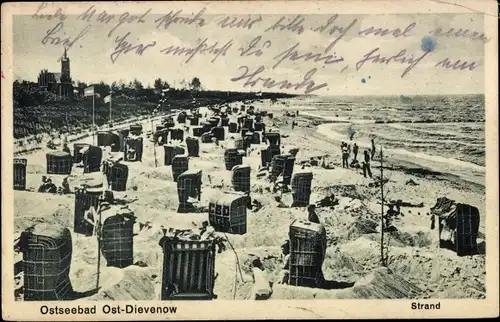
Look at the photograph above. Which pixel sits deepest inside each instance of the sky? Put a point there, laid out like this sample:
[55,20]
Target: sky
[91,62]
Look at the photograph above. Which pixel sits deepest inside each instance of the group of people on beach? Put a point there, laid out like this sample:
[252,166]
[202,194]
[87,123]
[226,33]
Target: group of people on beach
[47,186]
[368,155]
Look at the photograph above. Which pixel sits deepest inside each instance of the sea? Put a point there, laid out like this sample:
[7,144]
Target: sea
[442,132]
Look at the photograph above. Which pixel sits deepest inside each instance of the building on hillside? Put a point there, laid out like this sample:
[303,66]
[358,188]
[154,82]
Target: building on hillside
[58,83]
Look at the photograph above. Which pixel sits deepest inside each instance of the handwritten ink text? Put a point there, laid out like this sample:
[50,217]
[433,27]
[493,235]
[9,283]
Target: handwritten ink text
[173,18]
[293,54]
[384,32]
[295,25]
[399,58]
[202,48]
[57,15]
[125,47]
[248,23]
[252,80]
[251,49]
[459,33]
[127,18]
[104,17]
[51,37]
[458,64]
[87,14]
[330,28]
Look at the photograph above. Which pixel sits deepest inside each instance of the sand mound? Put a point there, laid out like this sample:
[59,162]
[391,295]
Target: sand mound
[229,284]
[52,209]
[414,239]
[351,191]
[379,284]
[134,283]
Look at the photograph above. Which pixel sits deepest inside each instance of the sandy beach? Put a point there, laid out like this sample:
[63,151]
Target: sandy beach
[417,267]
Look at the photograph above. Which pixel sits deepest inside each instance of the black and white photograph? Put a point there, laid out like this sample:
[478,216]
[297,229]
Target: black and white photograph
[199,151]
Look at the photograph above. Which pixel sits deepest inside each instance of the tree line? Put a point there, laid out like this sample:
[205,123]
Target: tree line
[37,110]
[136,89]
[29,94]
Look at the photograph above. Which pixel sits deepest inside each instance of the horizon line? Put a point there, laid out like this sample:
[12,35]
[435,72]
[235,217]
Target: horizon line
[287,93]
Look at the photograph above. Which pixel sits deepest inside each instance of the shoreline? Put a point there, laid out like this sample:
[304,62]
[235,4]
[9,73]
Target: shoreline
[402,160]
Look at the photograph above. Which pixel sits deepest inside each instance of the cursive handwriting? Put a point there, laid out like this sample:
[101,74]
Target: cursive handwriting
[57,15]
[458,64]
[88,14]
[252,80]
[124,47]
[251,51]
[330,28]
[384,32]
[234,22]
[293,54]
[399,57]
[294,25]
[104,17]
[202,48]
[52,37]
[172,17]
[459,33]
[127,18]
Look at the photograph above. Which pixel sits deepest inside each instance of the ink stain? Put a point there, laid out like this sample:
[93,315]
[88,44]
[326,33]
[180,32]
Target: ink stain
[369,77]
[363,80]
[428,43]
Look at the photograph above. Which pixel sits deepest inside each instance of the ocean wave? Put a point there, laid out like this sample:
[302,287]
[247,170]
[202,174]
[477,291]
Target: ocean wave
[436,132]
[435,162]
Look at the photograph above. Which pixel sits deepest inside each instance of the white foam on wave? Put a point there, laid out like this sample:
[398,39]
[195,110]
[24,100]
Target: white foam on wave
[417,129]
[437,163]
[338,119]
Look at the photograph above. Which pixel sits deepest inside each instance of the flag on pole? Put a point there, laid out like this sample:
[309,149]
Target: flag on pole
[107,99]
[89,91]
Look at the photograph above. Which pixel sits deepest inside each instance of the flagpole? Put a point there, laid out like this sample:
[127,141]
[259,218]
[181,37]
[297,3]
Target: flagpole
[98,223]
[93,116]
[110,103]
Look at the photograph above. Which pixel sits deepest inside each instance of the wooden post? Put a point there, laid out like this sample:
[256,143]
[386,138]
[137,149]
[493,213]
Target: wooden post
[382,210]
[154,141]
[98,223]
[93,116]
[154,149]
[110,104]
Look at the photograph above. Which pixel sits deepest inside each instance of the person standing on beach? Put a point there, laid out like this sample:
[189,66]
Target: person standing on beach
[373,149]
[345,156]
[355,150]
[366,165]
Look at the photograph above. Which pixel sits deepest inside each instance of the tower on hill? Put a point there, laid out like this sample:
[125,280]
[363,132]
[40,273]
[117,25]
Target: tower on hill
[58,83]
